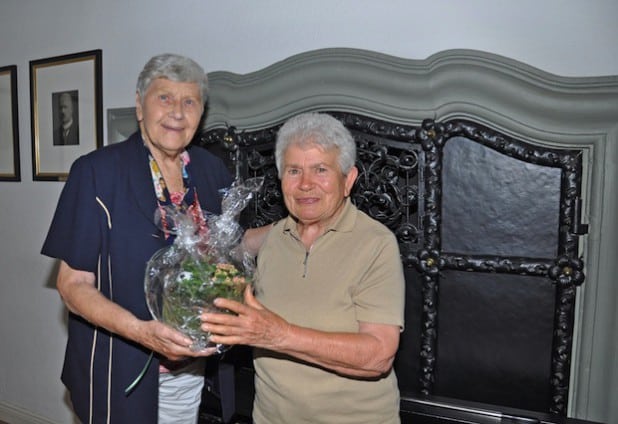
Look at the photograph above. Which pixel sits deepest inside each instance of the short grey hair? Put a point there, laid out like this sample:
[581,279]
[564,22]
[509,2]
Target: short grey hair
[173,67]
[319,129]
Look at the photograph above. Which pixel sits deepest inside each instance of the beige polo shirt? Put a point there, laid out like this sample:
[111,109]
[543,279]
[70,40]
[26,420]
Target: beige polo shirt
[352,273]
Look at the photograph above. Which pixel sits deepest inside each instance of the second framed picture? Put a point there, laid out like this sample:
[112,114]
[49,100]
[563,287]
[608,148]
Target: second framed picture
[9,130]
[66,112]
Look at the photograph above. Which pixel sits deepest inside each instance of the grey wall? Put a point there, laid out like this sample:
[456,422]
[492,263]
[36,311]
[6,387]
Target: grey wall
[565,37]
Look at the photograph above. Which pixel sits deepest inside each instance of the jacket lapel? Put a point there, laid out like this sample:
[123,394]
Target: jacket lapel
[140,181]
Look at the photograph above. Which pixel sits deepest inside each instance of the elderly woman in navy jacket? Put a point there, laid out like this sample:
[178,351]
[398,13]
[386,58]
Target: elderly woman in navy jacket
[104,232]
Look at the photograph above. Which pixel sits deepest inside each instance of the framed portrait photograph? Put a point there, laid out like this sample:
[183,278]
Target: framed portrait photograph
[9,127]
[121,123]
[66,107]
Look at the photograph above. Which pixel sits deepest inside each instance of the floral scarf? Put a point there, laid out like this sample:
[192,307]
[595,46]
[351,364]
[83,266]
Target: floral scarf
[182,199]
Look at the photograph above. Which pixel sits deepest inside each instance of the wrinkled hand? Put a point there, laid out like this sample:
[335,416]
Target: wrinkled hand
[253,324]
[168,342]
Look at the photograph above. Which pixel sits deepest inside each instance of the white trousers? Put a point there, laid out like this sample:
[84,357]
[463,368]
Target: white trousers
[180,394]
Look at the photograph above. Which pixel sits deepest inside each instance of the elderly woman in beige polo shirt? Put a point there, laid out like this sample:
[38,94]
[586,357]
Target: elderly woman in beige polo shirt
[326,310]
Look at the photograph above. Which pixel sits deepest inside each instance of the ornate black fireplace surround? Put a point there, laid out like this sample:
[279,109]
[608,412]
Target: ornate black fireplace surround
[489,227]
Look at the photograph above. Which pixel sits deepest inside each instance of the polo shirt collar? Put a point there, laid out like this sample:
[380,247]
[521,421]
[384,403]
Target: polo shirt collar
[344,222]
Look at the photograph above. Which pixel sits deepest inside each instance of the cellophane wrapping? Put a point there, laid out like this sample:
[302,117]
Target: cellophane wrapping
[183,279]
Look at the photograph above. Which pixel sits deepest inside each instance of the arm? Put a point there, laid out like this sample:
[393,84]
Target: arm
[254,237]
[368,353]
[77,290]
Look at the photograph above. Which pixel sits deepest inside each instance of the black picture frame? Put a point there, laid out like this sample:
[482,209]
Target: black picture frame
[58,85]
[10,169]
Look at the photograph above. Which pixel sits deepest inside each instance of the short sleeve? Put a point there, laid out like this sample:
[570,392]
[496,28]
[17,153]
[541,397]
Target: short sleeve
[381,295]
[74,234]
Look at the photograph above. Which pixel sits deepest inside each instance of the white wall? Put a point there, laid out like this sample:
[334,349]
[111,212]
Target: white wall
[565,37]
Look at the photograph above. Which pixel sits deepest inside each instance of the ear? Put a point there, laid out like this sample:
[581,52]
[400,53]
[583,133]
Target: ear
[349,180]
[139,113]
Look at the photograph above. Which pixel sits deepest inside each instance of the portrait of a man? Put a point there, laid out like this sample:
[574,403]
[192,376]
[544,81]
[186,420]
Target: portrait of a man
[65,118]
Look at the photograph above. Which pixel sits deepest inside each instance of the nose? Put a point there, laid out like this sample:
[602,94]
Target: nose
[177,109]
[306,182]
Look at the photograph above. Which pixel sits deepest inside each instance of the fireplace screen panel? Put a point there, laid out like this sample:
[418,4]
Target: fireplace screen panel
[487,227]
[494,204]
[495,338]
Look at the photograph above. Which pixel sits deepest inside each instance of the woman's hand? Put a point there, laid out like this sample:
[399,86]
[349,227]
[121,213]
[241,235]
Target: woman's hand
[168,342]
[252,323]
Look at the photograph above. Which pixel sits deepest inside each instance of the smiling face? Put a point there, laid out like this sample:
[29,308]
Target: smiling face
[169,115]
[314,187]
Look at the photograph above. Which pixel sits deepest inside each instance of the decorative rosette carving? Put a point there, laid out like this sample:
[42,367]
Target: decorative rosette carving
[567,271]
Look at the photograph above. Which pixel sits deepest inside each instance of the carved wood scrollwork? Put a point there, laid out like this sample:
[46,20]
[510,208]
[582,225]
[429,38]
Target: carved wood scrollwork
[400,185]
